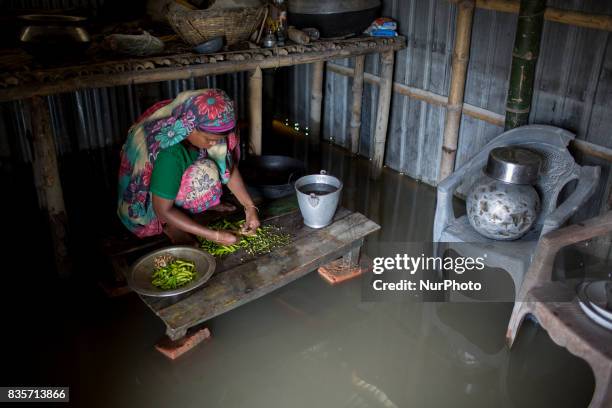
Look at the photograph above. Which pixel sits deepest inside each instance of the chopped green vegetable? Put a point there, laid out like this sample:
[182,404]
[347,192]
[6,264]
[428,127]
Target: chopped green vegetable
[174,274]
[266,238]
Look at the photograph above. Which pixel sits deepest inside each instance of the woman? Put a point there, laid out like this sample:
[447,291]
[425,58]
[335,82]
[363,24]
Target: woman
[178,154]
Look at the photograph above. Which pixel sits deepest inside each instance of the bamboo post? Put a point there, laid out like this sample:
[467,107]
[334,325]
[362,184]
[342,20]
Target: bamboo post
[48,180]
[461,57]
[316,101]
[357,99]
[524,59]
[382,114]
[255,110]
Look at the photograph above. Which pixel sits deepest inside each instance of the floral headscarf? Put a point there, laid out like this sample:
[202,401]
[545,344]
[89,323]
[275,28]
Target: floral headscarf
[161,126]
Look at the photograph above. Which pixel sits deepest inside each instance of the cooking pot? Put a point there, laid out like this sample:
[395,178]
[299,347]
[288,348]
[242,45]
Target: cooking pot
[334,18]
[52,36]
[270,175]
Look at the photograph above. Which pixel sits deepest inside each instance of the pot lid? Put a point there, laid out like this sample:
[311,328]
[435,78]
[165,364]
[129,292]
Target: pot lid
[516,165]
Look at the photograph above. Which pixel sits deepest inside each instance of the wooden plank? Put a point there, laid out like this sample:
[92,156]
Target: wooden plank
[155,69]
[235,287]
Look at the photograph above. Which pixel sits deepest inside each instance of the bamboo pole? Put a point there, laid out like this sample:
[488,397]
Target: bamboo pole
[475,112]
[570,17]
[316,101]
[382,114]
[255,110]
[48,180]
[524,60]
[357,99]
[461,57]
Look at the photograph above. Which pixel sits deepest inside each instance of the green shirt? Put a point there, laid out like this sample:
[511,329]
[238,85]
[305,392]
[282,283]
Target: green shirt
[168,170]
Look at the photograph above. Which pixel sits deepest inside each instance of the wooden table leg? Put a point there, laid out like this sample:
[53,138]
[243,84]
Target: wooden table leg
[357,99]
[255,110]
[47,179]
[316,101]
[352,257]
[382,115]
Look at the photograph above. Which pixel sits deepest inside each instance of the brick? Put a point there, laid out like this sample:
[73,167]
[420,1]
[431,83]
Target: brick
[338,271]
[174,349]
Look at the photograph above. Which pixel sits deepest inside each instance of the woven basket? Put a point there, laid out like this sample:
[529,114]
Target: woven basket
[198,26]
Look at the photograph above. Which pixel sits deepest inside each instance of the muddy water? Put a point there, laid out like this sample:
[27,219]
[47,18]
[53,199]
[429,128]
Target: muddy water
[312,345]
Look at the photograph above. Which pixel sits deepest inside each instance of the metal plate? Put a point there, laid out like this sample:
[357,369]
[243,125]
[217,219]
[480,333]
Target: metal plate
[586,307]
[595,292]
[139,277]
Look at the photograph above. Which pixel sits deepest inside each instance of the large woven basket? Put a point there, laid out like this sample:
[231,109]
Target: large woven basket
[198,26]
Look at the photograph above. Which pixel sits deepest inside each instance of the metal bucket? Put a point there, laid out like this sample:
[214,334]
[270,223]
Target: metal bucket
[318,209]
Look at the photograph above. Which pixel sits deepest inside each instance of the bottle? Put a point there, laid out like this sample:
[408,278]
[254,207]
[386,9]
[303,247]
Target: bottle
[280,38]
[269,39]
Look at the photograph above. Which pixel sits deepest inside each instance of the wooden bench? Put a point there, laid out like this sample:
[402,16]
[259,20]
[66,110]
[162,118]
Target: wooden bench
[238,281]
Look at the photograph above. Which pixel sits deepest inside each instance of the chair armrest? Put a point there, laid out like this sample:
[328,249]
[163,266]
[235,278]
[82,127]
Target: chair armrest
[446,190]
[587,183]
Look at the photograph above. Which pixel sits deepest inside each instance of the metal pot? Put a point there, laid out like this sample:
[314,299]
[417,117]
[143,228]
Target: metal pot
[502,204]
[54,35]
[270,175]
[334,18]
[318,204]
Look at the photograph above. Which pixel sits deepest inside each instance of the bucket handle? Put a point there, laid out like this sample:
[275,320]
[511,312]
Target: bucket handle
[313,200]
[323,172]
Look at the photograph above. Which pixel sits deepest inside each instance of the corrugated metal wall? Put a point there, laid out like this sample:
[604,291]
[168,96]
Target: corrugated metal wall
[94,122]
[572,90]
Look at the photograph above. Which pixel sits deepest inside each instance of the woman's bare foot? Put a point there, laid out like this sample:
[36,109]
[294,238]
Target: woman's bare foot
[223,207]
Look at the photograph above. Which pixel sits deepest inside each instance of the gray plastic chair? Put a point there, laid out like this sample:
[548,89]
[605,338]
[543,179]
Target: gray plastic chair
[558,169]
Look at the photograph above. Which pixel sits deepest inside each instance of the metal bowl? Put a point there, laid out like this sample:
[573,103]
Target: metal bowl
[140,275]
[515,165]
[209,47]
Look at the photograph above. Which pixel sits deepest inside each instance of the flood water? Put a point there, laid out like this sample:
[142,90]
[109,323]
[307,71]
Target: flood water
[307,344]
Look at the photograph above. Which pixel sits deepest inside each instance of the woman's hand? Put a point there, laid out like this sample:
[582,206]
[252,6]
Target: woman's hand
[236,185]
[252,221]
[223,237]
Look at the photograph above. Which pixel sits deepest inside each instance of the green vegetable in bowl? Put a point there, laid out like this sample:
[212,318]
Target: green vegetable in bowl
[173,273]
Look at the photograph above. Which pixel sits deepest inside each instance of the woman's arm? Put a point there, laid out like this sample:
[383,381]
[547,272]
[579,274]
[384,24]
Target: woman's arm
[167,212]
[236,186]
